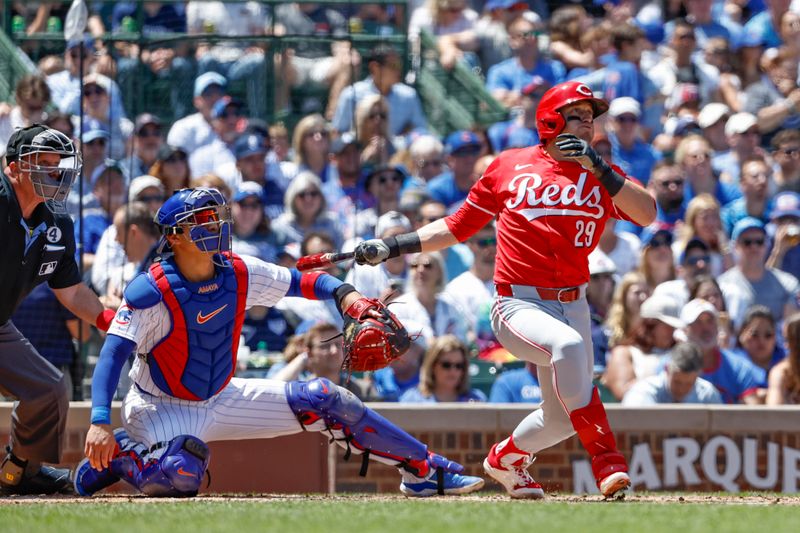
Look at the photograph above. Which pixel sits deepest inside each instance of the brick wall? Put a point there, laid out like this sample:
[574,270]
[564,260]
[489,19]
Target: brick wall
[669,448]
[465,434]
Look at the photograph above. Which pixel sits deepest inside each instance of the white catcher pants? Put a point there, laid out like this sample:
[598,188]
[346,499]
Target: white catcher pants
[244,409]
[556,337]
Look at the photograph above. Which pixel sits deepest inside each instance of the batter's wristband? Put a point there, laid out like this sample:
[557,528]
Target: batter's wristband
[407,243]
[610,179]
[341,291]
[103,320]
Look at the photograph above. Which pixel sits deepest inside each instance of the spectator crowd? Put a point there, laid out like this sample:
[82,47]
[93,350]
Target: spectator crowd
[699,307]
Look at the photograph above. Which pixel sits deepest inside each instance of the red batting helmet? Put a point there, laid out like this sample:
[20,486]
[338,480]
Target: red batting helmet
[549,121]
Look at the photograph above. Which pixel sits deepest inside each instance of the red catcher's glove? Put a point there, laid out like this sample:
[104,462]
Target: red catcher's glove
[372,343]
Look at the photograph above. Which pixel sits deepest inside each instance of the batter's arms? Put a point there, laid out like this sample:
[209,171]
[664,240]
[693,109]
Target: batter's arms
[634,200]
[628,196]
[436,236]
[428,238]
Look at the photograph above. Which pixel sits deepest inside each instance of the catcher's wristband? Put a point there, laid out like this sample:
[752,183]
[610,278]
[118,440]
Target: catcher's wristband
[340,292]
[609,178]
[407,243]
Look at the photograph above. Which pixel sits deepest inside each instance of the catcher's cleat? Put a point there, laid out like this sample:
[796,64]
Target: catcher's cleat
[515,477]
[440,483]
[614,485]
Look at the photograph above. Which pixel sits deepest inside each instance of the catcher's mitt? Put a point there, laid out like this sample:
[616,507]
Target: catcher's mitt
[371,343]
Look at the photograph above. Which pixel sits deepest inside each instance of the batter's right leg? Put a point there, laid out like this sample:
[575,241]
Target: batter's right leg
[556,341]
[508,460]
[37,422]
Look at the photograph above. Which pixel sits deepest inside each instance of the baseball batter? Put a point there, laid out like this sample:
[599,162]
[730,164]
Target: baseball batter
[551,202]
[183,319]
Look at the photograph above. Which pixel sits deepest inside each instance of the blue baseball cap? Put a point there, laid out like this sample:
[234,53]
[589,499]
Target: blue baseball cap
[660,236]
[653,30]
[745,224]
[248,189]
[108,164]
[493,5]
[93,134]
[785,204]
[224,103]
[693,244]
[461,140]
[206,80]
[249,144]
[88,43]
[344,140]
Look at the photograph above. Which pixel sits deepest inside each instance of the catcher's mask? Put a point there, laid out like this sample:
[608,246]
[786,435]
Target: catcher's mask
[200,213]
[51,180]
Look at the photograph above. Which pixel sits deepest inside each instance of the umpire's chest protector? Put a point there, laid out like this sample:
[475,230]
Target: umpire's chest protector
[198,356]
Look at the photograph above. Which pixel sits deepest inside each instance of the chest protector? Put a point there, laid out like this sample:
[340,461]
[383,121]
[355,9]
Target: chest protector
[198,357]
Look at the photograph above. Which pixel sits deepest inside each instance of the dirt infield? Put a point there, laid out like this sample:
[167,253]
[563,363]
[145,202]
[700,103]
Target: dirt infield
[634,498]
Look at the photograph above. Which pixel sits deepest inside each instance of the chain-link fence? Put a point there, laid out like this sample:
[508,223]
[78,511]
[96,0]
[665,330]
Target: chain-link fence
[274,63]
[278,65]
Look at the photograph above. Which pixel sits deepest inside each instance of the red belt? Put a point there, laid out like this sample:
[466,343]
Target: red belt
[563,296]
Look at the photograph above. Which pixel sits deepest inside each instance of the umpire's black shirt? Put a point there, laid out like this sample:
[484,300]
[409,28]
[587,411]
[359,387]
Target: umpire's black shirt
[39,249]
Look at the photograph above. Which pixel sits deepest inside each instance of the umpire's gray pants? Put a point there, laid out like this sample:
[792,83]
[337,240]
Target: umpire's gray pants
[40,414]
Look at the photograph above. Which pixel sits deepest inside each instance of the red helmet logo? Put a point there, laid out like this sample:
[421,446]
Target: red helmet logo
[549,121]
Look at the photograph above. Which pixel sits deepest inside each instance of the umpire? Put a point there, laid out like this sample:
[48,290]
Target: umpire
[38,244]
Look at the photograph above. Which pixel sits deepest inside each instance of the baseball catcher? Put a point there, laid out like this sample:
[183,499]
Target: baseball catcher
[183,320]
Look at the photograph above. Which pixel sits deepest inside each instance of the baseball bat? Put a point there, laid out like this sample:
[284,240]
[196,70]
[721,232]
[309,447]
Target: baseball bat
[323,260]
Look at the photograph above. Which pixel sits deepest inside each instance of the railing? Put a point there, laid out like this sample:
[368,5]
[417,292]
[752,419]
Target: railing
[169,96]
[453,99]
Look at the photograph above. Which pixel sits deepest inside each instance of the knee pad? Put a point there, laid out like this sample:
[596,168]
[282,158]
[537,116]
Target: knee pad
[320,398]
[179,471]
[363,429]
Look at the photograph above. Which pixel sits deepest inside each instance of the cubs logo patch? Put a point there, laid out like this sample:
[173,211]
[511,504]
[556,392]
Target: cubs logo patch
[123,316]
[48,268]
[53,234]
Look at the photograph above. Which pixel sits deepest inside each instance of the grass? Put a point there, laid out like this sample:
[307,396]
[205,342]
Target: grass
[356,515]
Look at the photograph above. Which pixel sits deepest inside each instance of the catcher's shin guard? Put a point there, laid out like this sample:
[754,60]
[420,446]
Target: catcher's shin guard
[354,426]
[608,465]
[179,471]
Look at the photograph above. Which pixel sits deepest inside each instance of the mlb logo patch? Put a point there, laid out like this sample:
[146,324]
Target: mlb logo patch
[48,268]
[123,316]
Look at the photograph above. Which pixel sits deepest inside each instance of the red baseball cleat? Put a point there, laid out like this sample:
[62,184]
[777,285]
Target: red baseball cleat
[612,484]
[512,471]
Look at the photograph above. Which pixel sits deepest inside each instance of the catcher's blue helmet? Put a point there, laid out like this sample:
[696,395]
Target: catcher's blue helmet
[202,214]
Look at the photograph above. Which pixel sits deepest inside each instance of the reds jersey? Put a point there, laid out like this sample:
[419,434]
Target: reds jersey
[148,327]
[550,215]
